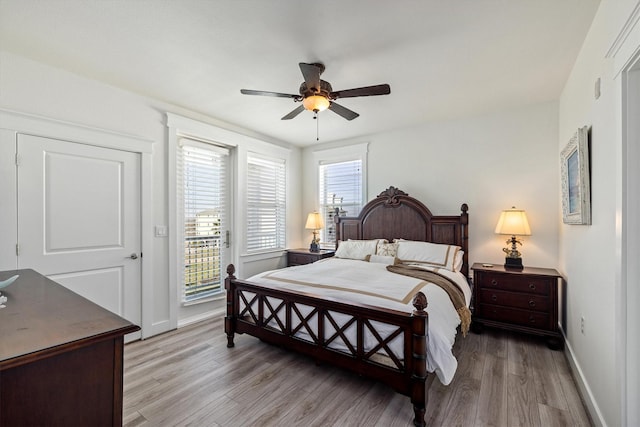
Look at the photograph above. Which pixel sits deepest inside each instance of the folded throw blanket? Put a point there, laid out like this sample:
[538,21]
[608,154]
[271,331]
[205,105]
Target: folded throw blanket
[449,286]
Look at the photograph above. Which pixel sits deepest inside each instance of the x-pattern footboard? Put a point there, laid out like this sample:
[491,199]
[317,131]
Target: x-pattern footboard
[383,344]
[346,335]
[340,332]
[303,321]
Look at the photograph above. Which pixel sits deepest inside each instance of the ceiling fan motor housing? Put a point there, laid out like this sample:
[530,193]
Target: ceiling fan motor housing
[325,89]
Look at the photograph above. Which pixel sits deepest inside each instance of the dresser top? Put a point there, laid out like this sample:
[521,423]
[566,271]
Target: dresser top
[499,268]
[42,317]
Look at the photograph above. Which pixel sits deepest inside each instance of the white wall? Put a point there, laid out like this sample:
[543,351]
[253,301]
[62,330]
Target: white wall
[34,88]
[490,162]
[590,256]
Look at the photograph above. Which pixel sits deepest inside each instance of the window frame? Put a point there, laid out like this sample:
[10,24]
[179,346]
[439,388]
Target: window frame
[224,153]
[339,155]
[282,205]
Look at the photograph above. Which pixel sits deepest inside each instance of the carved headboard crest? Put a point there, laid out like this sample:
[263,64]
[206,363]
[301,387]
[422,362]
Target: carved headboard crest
[391,195]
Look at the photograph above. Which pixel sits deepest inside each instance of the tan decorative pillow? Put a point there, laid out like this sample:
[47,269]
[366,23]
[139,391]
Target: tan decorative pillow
[387,249]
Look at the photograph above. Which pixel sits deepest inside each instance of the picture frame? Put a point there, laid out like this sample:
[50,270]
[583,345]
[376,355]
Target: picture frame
[575,174]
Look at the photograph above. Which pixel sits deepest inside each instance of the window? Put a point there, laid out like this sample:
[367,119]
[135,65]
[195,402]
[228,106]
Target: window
[266,204]
[340,187]
[202,193]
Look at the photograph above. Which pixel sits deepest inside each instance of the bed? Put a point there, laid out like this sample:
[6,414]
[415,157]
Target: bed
[306,308]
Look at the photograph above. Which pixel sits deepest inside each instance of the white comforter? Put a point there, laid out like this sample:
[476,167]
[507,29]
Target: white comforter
[370,283]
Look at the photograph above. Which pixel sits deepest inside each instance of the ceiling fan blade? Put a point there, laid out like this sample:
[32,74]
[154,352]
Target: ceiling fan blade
[294,113]
[311,73]
[342,111]
[264,93]
[383,89]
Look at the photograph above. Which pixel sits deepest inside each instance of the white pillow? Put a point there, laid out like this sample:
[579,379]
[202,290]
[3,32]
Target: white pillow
[356,249]
[433,254]
[457,264]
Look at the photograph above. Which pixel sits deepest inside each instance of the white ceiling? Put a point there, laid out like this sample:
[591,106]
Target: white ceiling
[443,59]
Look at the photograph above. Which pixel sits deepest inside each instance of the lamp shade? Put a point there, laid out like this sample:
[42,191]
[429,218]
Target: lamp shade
[314,221]
[315,103]
[513,222]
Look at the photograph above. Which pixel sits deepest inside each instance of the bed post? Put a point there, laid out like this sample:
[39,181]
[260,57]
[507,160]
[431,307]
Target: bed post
[230,320]
[464,223]
[419,356]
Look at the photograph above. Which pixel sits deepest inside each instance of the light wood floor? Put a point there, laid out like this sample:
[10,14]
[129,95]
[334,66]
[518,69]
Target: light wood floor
[190,378]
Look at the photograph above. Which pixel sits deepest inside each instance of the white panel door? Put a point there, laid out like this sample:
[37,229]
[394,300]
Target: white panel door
[79,220]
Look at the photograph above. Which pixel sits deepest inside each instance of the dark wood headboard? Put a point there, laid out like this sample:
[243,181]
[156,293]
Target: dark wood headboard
[393,214]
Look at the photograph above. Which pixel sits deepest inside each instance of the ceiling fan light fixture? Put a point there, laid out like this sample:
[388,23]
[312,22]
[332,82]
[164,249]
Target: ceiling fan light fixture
[315,103]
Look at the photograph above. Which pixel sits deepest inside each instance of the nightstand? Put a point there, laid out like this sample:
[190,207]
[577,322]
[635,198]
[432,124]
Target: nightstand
[305,256]
[520,300]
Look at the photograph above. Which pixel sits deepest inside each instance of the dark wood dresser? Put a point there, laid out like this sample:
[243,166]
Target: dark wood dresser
[305,256]
[520,300]
[60,356]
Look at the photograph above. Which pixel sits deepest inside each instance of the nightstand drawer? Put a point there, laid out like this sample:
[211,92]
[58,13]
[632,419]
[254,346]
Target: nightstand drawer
[528,318]
[515,300]
[305,256]
[299,259]
[515,283]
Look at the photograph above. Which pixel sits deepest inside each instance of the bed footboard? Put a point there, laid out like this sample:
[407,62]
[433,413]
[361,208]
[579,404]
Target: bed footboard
[341,334]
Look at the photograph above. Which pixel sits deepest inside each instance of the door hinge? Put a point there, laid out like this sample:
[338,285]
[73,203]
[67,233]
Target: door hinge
[17,249]
[17,159]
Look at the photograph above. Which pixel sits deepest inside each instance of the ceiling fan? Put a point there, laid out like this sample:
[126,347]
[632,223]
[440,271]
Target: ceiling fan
[317,95]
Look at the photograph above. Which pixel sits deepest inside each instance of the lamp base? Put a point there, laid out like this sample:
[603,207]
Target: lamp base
[314,247]
[513,263]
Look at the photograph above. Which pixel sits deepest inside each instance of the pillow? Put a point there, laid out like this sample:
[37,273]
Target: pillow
[387,249]
[356,249]
[433,254]
[457,264]
[381,259]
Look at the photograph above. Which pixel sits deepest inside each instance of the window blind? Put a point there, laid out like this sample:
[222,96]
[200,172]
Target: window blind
[266,204]
[202,205]
[340,187]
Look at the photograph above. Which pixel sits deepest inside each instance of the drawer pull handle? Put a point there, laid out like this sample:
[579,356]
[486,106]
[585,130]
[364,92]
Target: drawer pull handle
[494,298]
[494,282]
[532,303]
[532,286]
[532,319]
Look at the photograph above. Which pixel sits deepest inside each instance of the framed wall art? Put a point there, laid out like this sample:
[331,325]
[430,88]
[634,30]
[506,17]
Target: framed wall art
[576,189]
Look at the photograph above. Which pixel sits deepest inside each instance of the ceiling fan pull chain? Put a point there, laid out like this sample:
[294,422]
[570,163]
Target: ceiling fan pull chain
[317,126]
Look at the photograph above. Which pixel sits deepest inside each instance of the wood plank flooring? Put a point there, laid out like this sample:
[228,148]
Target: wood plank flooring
[189,377]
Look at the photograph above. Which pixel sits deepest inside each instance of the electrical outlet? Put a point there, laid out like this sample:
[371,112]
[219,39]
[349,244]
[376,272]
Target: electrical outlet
[582,324]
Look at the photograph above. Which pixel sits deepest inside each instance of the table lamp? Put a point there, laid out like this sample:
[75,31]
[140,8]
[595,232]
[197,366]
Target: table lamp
[514,222]
[314,222]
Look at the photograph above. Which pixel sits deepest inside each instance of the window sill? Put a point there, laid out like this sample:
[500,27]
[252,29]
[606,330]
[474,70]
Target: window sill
[263,255]
[217,297]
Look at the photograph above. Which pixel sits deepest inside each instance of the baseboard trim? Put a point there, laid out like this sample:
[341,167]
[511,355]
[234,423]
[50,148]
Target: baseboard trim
[220,312]
[583,386]
[157,328]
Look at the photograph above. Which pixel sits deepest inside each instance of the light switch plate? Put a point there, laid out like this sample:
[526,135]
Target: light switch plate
[161,231]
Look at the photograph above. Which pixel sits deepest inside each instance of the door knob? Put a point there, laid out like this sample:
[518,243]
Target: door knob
[134,256]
